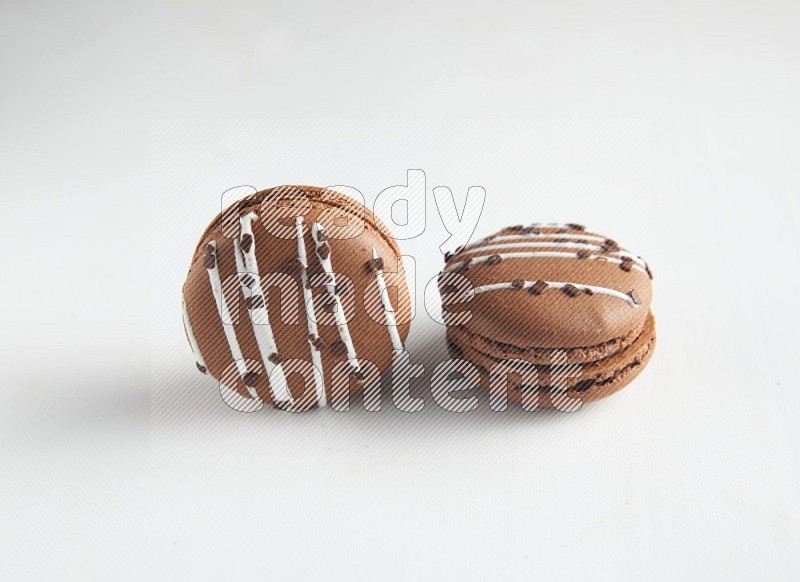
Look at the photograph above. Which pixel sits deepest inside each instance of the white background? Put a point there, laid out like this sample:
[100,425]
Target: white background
[671,126]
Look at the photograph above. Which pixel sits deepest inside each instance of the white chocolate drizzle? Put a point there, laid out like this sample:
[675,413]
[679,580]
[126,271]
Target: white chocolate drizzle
[341,321]
[557,244]
[192,339]
[559,285]
[541,254]
[572,235]
[259,314]
[567,235]
[388,310]
[225,316]
[311,320]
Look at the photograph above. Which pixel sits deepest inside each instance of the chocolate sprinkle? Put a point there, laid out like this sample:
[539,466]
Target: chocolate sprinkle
[635,297]
[327,302]
[275,358]
[247,242]
[571,290]
[447,256]
[583,254]
[254,302]
[466,264]
[209,249]
[201,367]
[573,226]
[626,264]
[538,288]
[357,374]
[494,260]
[209,261]
[250,379]
[610,245]
[293,267]
[647,269]
[324,251]
[588,291]
[338,349]
[515,228]
[341,288]
[532,230]
[315,270]
[375,264]
[517,283]
[318,343]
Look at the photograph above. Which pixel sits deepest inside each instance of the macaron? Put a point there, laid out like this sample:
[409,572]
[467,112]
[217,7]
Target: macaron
[296,296]
[550,314]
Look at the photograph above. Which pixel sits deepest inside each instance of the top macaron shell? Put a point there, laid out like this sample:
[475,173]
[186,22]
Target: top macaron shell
[607,295]
[276,210]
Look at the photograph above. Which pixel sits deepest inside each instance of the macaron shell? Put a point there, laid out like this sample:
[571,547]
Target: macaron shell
[552,319]
[287,315]
[322,201]
[580,355]
[587,383]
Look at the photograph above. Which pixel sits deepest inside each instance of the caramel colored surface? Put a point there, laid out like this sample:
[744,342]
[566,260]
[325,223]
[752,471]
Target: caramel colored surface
[552,319]
[349,258]
[563,341]
[586,382]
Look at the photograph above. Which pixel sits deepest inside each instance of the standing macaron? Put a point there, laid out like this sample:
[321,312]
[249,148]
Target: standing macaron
[296,296]
[552,315]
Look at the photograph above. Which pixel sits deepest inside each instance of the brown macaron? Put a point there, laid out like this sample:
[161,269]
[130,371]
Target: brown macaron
[553,314]
[284,300]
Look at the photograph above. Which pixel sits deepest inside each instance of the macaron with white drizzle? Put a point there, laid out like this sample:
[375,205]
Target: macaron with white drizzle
[278,291]
[551,294]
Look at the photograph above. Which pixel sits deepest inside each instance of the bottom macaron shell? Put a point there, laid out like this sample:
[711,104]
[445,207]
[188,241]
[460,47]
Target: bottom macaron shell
[588,382]
[582,355]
